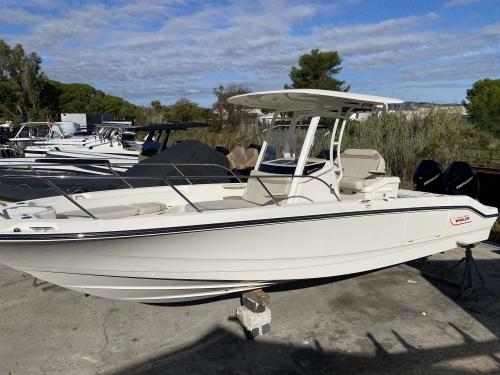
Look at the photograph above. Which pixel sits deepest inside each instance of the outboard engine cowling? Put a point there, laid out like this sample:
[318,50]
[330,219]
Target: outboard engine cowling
[428,177]
[460,179]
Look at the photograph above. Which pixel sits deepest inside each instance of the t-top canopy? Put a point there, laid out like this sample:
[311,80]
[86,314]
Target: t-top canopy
[308,100]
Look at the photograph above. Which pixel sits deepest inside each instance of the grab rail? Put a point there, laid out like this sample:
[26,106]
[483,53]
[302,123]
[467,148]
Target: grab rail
[47,179]
[106,163]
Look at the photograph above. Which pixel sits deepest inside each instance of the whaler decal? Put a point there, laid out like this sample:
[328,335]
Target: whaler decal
[459,220]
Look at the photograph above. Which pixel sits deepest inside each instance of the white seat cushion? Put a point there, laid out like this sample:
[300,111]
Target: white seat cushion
[109,212]
[25,211]
[224,204]
[117,212]
[149,207]
[355,183]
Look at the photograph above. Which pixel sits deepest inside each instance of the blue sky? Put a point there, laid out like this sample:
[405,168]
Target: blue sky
[151,49]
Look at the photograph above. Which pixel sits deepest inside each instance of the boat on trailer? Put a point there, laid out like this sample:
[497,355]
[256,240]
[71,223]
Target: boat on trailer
[300,215]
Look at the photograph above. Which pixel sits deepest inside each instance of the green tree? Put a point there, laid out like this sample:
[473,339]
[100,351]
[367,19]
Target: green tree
[316,71]
[79,97]
[483,104]
[156,105]
[225,114]
[75,97]
[8,100]
[157,113]
[184,110]
[21,82]
[128,111]
[49,98]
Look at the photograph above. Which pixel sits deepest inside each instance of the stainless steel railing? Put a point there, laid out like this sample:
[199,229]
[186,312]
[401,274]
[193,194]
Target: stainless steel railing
[106,164]
[47,179]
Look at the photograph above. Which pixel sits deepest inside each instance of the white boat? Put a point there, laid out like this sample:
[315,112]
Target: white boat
[107,139]
[297,217]
[80,154]
[31,132]
[47,144]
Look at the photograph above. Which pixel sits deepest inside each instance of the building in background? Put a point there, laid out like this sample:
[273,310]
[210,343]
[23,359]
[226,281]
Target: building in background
[87,121]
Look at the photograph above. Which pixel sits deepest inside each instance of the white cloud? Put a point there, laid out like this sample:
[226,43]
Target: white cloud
[146,50]
[17,17]
[454,3]
[456,68]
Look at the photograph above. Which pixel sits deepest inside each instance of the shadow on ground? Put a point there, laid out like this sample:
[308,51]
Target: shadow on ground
[483,304]
[224,352]
[257,357]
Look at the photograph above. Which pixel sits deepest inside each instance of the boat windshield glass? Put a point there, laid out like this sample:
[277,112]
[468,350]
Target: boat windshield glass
[28,131]
[284,145]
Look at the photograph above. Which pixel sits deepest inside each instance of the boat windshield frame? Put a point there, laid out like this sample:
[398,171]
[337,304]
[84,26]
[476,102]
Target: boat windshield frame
[33,125]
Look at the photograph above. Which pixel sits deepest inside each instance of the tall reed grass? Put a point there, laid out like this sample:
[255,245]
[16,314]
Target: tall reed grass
[227,138]
[404,140]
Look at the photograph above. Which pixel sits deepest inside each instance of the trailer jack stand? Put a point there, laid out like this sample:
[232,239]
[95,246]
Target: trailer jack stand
[470,265]
[466,286]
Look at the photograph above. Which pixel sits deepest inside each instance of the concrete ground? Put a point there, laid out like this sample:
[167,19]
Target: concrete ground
[388,321]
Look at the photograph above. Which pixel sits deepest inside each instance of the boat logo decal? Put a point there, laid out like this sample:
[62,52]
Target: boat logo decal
[459,220]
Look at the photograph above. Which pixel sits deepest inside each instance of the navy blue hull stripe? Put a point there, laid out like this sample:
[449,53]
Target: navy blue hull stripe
[12,237]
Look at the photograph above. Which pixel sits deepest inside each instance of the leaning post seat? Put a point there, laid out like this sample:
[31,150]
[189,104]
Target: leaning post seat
[363,172]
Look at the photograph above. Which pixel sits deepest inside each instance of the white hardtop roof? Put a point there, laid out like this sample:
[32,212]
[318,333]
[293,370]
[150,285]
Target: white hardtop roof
[308,100]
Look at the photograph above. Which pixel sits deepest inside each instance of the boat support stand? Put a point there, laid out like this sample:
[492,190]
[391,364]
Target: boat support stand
[470,265]
[254,313]
[466,287]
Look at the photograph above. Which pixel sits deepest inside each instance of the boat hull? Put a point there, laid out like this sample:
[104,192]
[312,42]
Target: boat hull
[204,263]
[147,290]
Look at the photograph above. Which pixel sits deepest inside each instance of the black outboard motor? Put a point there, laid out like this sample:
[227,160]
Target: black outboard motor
[460,179]
[428,177]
